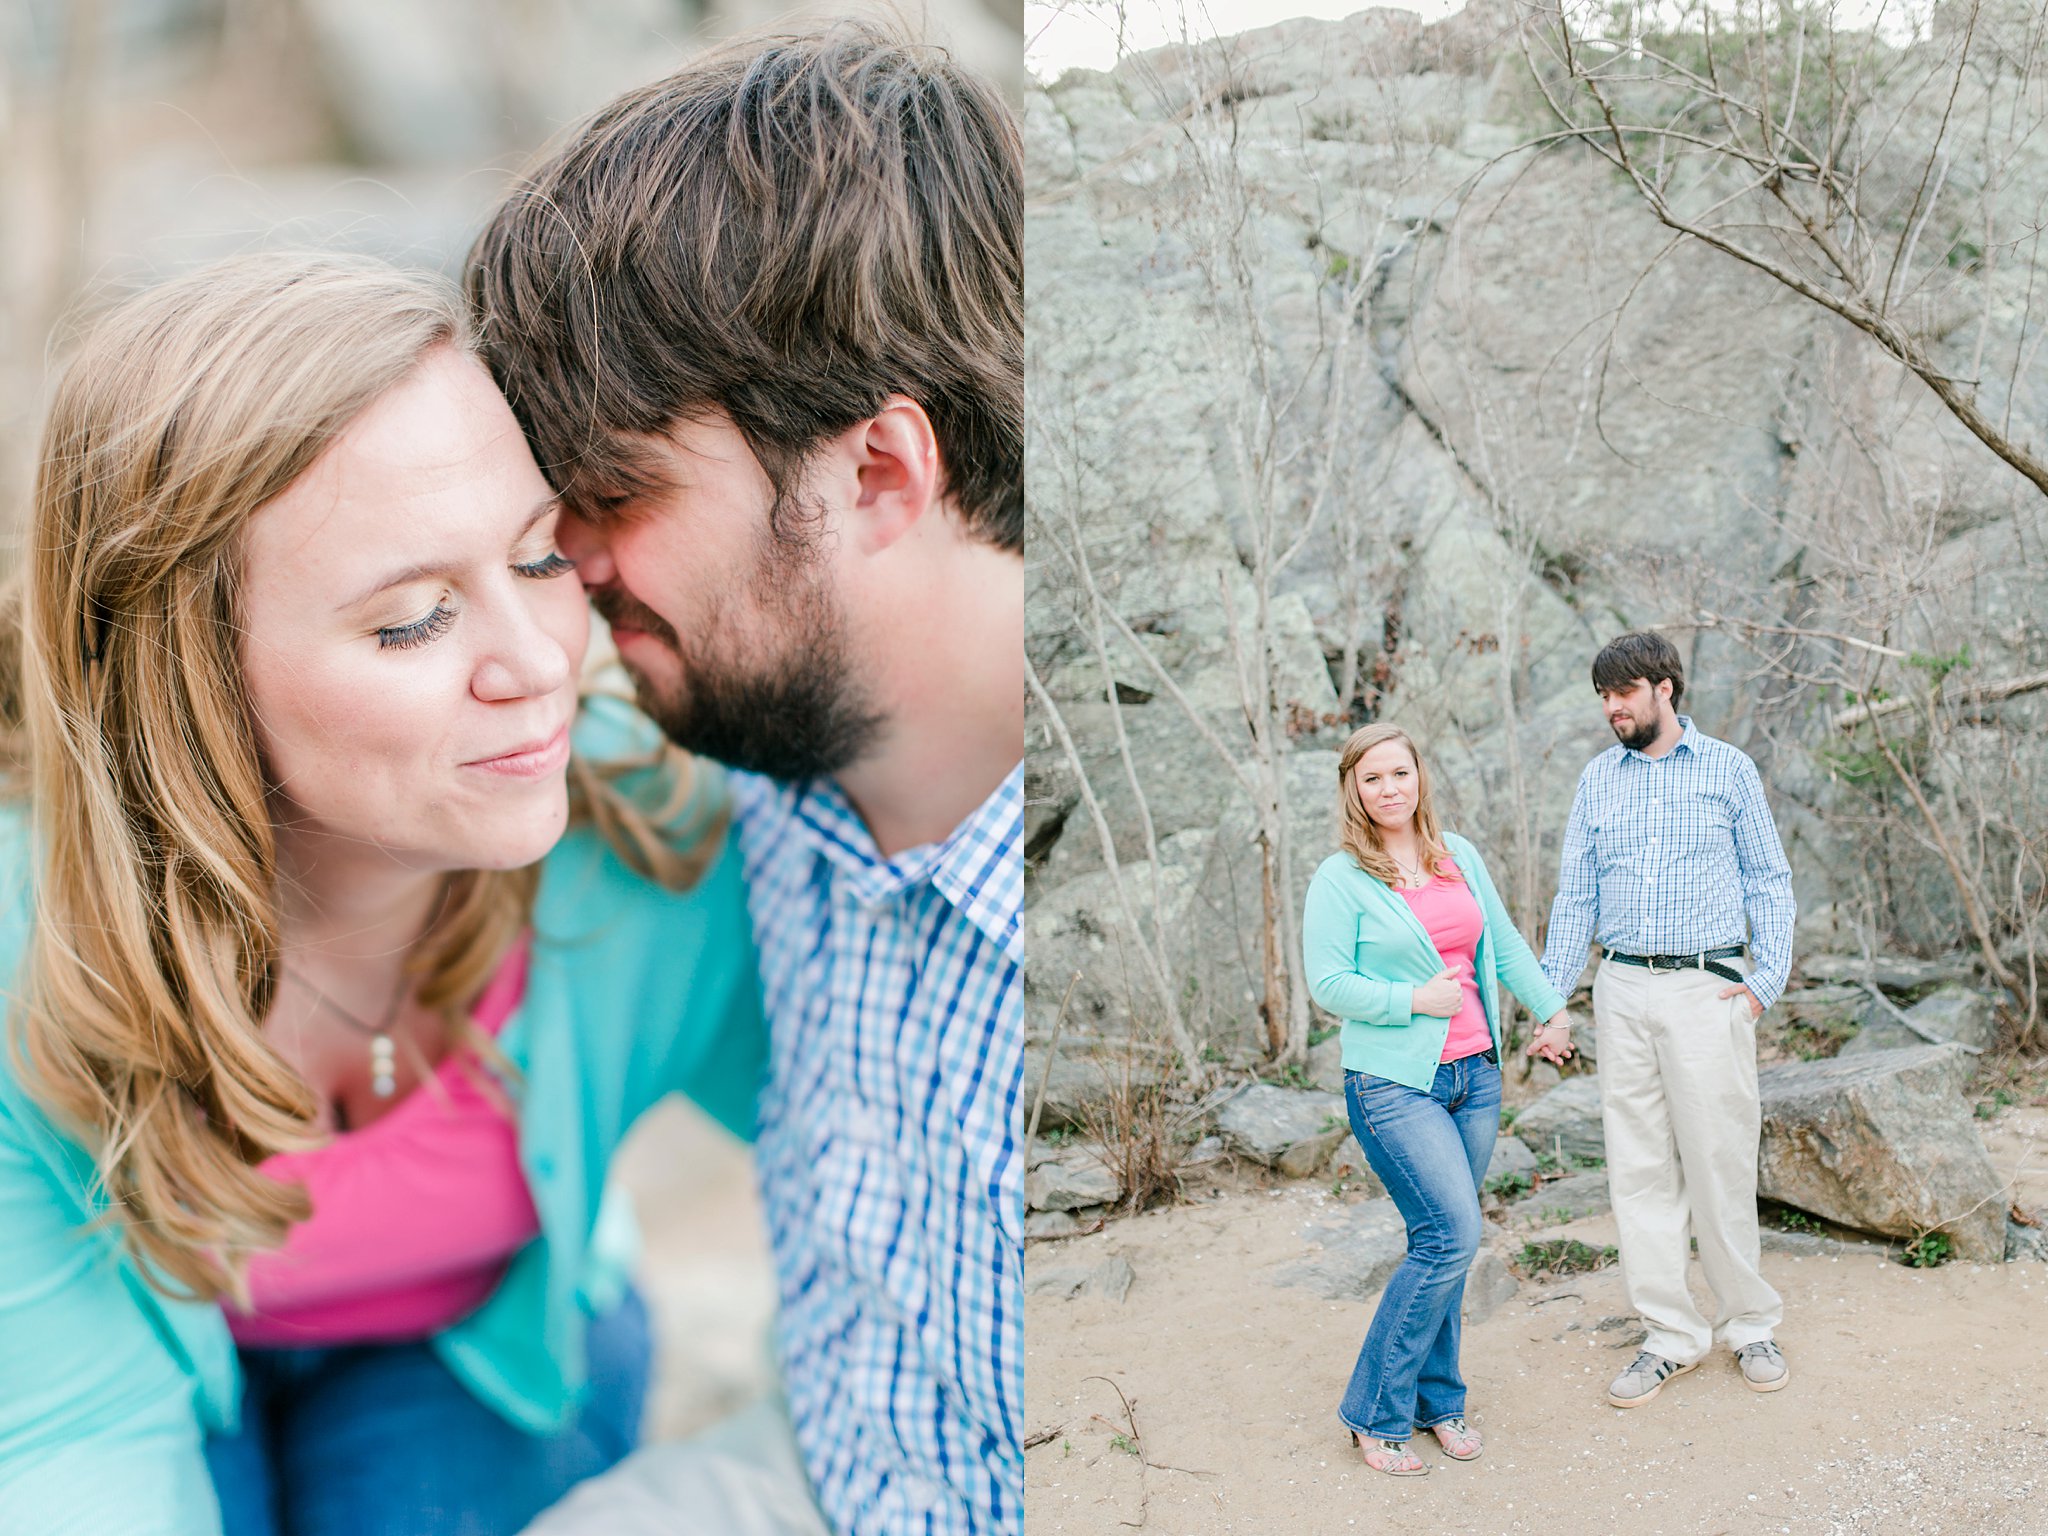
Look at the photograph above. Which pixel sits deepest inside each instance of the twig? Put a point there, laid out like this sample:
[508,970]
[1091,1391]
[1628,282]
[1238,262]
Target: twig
[1051,1050]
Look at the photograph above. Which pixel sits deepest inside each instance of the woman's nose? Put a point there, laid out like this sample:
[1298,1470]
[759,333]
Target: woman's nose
[523,658]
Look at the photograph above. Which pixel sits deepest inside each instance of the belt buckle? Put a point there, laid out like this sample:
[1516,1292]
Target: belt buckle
[1650,961]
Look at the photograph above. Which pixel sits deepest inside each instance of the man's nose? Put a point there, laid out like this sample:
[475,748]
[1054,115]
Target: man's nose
[589,548]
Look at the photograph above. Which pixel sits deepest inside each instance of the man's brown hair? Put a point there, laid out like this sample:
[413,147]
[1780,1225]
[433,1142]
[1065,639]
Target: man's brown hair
[788,231]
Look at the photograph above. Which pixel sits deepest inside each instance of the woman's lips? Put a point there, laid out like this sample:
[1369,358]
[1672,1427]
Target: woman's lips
[533,760]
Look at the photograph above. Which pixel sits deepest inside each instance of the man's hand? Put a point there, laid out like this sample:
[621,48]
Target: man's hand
[1756,1009]
[1552,1040]
[1441,996]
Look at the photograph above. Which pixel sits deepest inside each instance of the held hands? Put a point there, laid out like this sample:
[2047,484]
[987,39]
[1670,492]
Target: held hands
[1756,1009]
[1553,1039]
[1441,996]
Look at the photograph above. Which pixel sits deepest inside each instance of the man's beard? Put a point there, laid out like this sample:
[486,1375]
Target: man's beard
[1638,738]
[800,715]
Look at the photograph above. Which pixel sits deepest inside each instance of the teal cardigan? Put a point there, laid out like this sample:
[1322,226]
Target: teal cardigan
[107,1387]
[1366,952]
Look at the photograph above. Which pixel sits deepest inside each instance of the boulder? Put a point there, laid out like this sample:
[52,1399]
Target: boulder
[1565,1120]
[1826,1009]
[1882,1142]
[1112,1278]
[1894,973]
[1565,1199]
[1357,1254]
[1961,1014]
[1326,1065]
[1509,1156]
[1882,1033]
[1488,1285]
[1291,1129]
[2023,1242]
[1348,1163]
[1084,1084]
[1068,1179]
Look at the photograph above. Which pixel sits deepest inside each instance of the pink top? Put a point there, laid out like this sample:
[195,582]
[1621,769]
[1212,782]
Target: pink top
[1450,913]
[415,1216]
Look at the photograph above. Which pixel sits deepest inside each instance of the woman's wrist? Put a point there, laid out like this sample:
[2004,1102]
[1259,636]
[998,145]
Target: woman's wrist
[1557,1021]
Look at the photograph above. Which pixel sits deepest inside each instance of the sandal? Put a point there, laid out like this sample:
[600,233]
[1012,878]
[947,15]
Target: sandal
[1390,1456]
[1459,1440]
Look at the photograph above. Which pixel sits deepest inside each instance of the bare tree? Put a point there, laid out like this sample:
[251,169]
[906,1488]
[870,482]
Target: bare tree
[1831,159]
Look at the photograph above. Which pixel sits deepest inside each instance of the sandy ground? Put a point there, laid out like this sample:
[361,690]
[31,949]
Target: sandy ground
[1918,1401]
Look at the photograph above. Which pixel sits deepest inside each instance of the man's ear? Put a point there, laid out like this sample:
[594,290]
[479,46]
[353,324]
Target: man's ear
[896,463]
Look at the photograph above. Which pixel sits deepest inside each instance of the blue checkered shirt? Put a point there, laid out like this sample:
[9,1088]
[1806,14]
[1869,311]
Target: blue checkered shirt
[890,1170]
[1669,856]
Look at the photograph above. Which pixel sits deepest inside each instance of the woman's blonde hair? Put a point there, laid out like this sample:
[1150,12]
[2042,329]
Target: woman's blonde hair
[1360,834]
[155,952]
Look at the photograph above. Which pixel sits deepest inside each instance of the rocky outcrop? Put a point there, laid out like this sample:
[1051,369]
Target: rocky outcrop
[1885,1143]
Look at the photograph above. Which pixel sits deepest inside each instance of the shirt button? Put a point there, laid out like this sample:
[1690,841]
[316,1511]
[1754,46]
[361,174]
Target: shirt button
[544,1167]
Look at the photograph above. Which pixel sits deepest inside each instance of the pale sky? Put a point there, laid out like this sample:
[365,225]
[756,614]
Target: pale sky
[1065,34]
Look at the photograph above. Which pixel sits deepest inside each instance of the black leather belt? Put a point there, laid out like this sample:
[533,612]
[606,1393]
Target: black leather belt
[1703,961]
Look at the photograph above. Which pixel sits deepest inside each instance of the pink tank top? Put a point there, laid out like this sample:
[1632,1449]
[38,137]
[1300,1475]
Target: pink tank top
[1450,913]
[415,1216]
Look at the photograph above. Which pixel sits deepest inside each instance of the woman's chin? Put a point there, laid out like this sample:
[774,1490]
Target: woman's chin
[514,843]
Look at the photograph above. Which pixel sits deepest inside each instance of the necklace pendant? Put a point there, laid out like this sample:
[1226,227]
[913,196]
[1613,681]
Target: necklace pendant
[383,1066]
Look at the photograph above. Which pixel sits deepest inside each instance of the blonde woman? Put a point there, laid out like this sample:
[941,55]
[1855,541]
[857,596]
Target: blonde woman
[1408,943]
[323,1031]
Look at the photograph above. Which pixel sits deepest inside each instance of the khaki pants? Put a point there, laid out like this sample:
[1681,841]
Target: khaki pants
[1678,1102]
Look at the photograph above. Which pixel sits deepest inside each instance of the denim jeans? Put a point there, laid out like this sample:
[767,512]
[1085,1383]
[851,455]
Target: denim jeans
[380,1440]
[1431,1151]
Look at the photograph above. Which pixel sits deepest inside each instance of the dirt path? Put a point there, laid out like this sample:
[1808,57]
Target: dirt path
[1919,1399]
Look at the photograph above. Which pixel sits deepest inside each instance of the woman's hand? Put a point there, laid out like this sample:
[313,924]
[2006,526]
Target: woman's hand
[1441,996]
[1553,1038]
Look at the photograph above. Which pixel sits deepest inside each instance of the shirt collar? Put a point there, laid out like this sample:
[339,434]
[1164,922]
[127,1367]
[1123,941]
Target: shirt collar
[1688,741]
[978,867]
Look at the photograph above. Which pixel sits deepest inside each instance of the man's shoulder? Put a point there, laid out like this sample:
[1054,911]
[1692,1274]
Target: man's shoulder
[1601,764]
[1712,749]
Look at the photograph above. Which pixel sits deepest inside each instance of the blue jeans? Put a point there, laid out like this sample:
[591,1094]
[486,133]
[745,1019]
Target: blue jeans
[1431,1151]
[380,1440]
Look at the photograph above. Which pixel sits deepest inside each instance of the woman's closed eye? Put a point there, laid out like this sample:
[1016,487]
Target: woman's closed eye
[553,563]
[401,637]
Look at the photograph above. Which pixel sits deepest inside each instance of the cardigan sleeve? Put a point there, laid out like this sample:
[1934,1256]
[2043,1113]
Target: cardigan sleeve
[98,1431]
[1520,972]
[1329,943]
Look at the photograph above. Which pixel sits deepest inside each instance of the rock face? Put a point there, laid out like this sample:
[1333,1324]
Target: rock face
[1882,1142]
[1291,1129]
[1566,1119]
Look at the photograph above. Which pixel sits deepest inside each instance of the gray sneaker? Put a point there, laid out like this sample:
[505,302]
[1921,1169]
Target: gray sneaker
[1644,1379]
[1763,1366]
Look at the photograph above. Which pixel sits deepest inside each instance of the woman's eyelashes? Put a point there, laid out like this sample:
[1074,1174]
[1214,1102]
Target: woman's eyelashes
[401,637]
[554,563]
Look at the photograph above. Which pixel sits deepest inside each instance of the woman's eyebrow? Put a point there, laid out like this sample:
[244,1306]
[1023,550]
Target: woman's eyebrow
[421,572]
